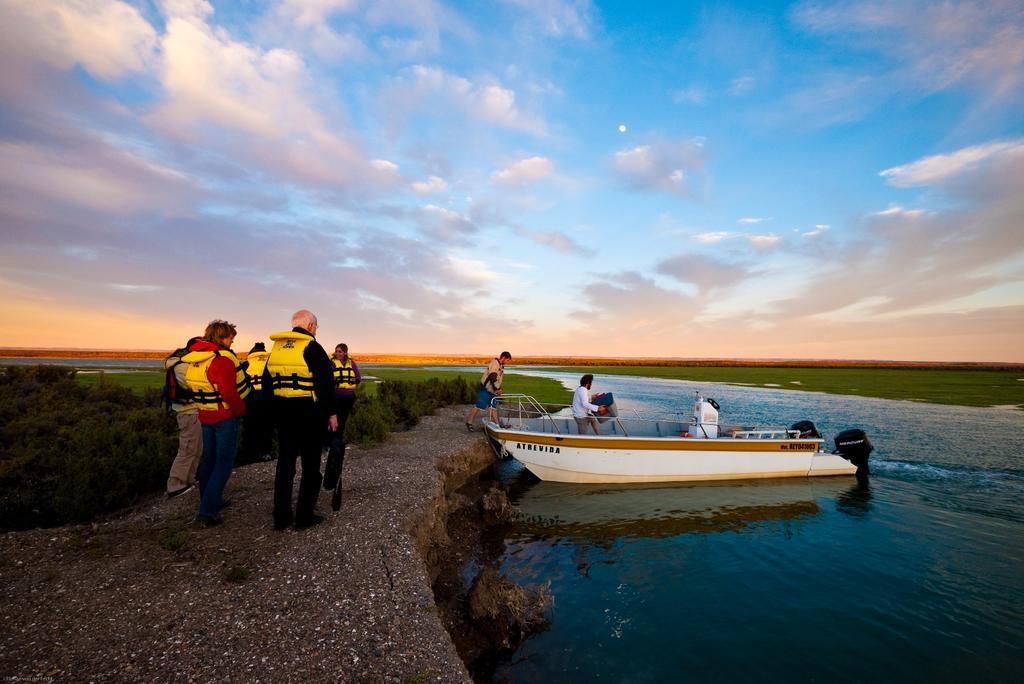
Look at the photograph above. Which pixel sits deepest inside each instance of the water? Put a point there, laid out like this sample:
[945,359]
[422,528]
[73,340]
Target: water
[87,365]
[918,574]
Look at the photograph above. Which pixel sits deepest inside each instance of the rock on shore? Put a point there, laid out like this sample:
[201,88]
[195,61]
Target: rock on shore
[147,596]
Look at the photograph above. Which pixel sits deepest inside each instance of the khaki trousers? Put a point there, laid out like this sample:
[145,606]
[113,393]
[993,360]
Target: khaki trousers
[582,424]
[190,448]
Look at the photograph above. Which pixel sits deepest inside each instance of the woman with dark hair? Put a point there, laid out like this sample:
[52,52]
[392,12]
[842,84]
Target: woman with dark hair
[346,379]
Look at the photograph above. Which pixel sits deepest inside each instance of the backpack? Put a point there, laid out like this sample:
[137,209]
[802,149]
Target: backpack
[175,392]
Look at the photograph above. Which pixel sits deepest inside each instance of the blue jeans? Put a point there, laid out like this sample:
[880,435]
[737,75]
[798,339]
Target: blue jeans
[220,443]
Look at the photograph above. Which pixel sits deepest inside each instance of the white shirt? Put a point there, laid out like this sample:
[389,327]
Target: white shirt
[581,406]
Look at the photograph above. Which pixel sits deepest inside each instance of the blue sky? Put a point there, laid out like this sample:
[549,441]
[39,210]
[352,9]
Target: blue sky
[757,180]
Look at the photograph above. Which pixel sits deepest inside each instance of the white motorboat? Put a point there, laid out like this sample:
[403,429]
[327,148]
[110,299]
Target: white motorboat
[653,449]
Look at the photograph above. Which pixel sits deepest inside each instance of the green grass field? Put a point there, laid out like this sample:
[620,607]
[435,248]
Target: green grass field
[544,390]
[961,388]
[136,380]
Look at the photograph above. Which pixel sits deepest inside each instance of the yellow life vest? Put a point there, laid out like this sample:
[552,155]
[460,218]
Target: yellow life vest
[206,395]
[257,362]
[290,376]
[344,374]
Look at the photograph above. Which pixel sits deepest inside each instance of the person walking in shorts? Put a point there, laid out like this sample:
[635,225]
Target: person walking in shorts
[490,387]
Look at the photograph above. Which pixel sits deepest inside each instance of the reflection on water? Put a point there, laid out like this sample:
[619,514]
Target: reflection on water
[856,500]
[598,513]
[917,573]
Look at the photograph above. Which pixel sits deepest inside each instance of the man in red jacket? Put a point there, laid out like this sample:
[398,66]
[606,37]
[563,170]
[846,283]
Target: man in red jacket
[219,385]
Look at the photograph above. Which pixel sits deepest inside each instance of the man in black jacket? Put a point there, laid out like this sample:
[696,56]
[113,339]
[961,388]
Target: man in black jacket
[300,379]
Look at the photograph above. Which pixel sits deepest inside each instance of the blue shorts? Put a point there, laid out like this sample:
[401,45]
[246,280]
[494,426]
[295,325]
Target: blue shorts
[483,398]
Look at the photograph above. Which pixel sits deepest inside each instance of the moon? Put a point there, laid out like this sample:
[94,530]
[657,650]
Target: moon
[622,128]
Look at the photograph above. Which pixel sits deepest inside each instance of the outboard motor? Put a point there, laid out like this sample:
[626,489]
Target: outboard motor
[855,447]
[807,429]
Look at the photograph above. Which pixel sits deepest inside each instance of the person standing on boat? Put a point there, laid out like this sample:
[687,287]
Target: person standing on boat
[300,378]
[582,410]
[490,387]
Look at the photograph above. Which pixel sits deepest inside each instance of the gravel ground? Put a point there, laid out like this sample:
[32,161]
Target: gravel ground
[148,596]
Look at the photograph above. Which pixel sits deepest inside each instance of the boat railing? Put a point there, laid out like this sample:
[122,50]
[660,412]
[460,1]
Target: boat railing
[522,407]
[516,409]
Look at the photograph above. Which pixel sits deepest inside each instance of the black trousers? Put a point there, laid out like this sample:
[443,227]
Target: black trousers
[257,430]
[344,403]
[300,433]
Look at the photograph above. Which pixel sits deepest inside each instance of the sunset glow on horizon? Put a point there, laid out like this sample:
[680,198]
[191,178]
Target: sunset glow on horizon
[797,180]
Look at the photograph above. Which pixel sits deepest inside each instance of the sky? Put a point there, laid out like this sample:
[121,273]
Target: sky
[818,180]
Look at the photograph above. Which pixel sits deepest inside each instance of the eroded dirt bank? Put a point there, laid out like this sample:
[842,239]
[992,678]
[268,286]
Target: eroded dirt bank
[487,615]
[146,596]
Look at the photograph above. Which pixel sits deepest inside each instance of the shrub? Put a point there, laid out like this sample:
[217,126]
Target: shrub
[370,422]
[70,451]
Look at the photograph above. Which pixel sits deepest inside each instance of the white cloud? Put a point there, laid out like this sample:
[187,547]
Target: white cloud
[80,252]
[907,262]
[427,18]
[308,13]
[936,45]
[740,85]
[127,287]
[695,95]
[763,241]
[900,211]
[305,25]
[87,173]
[666,167]
[711,238]
[108,38]
[937,168]
[628,306]
[432,186]
[471,269]
[385,167]
[253,105]
[444,224]
[705,273]
[498,105]
[753,219]
[529,170]
[818,230]
[557,241]
[559,17]
[426,89]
